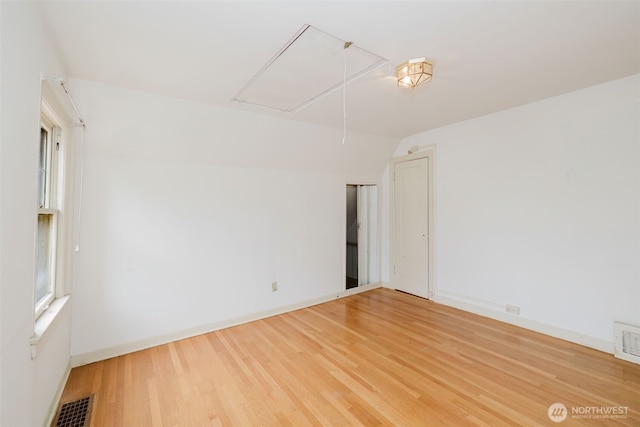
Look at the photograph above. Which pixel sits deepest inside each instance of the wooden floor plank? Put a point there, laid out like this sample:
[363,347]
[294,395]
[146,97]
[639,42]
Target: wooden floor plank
[379,358]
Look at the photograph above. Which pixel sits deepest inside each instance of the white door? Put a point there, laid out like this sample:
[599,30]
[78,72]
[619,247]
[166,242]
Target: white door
[367,234]
[363,235]
[411,227]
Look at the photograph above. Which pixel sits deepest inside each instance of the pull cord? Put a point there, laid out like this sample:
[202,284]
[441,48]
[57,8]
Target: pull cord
[344,91]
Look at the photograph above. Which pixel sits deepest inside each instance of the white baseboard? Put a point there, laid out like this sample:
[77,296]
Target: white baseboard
[119,350]
[567,335]
[53,407]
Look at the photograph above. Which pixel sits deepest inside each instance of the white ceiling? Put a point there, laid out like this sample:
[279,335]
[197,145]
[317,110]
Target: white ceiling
[487,56]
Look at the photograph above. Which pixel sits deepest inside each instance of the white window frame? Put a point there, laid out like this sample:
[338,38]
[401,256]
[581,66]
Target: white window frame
[53,205]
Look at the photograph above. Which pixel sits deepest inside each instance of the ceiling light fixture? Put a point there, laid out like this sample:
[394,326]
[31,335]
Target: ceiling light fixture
[414,72]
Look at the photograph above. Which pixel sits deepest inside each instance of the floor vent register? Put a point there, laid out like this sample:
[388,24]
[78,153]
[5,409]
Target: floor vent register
[74,414]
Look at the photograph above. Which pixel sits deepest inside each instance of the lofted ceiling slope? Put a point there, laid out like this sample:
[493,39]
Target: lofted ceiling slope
[487,56]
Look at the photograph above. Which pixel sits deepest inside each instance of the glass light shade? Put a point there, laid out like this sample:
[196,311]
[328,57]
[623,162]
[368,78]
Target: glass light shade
[414,73]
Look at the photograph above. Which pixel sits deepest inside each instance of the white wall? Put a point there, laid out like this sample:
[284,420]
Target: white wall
[538,207]
[1,214]
[190,211]
[28,388]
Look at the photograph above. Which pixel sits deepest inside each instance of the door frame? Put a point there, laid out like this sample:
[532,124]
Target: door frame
[378,226]
[430,154]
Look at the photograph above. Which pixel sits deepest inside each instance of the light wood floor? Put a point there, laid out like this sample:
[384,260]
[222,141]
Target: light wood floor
[376,358]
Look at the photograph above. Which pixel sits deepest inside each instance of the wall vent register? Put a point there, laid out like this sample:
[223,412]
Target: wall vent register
[627,342]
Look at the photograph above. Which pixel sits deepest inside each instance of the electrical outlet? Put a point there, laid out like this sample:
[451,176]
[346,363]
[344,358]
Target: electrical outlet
[513,309]
[274,286]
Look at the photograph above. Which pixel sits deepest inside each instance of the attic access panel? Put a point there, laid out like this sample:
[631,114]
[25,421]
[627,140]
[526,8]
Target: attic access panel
[310,66]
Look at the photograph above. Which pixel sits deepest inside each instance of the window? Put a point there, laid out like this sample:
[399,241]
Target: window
[49,205]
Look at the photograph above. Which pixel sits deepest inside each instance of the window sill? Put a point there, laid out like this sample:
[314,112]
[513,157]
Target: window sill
[43,324]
